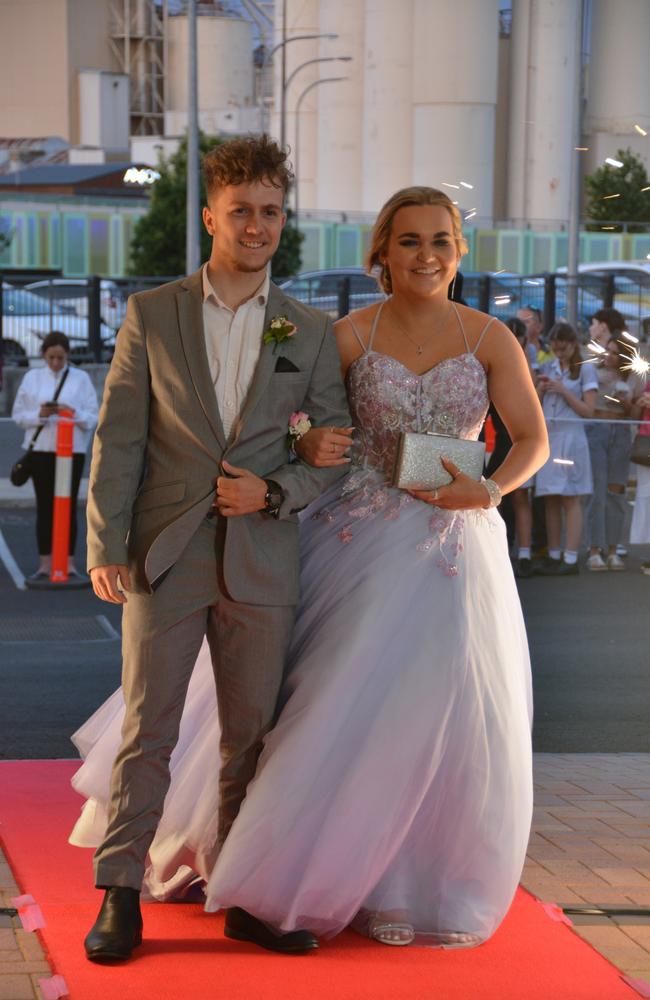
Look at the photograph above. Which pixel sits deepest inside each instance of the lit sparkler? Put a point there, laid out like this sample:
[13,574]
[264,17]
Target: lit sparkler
[629,336]
[612,162]
[636,363]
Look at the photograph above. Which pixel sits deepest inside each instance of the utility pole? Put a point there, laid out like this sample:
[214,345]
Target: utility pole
[576,186]
[192,245]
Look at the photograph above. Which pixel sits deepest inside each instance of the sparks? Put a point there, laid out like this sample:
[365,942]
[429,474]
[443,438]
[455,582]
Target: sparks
[636,363]
[503,270]
[470,215]
[612,399]
[581,149]
[531,281]
[608,227]
[563,461]
[502,300]
[629,336]
[612,162]
[448,185]
[608,196]
[596,348]
[465,184]
[640,130]
[645,189]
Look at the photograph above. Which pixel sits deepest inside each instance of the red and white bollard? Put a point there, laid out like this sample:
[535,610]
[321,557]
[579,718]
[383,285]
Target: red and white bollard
[62,490]
[59,577]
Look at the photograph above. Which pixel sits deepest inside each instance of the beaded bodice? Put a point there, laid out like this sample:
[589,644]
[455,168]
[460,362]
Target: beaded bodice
[386,398]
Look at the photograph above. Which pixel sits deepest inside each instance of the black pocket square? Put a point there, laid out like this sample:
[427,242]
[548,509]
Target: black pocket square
[284,365]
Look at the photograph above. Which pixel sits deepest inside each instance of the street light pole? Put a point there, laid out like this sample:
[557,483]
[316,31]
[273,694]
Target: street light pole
[192,243]
[269,55]
[573,261]
[319,60]
[316,83]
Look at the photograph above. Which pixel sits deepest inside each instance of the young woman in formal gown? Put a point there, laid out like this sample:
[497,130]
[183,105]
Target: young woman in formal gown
[394,794]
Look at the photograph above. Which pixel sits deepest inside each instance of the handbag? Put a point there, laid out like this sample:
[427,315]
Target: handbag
[22,469]
[418,463]
[641,450]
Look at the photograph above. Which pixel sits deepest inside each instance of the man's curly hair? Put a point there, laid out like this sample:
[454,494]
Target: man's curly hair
[244,161]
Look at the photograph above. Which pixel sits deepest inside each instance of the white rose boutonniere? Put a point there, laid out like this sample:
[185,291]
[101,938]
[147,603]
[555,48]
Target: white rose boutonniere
[279,329]
[299,424]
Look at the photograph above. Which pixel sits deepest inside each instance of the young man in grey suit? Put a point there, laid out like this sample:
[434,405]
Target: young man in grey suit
[192,514]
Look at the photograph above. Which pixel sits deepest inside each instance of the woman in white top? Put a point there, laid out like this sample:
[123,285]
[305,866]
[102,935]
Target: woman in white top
[567,389]
[34,407]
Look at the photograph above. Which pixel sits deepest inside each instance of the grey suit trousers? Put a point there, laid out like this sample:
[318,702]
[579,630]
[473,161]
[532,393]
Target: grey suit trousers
[162,635]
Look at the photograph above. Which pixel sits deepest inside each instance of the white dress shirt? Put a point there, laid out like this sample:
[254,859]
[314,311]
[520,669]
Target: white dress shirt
[233,341]
[38,387]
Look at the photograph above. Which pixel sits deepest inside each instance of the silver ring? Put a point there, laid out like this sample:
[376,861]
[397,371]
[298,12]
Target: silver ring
[435,495]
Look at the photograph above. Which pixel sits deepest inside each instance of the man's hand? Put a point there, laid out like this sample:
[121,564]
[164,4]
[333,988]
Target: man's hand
[105,583]
[241,492]
[324,447]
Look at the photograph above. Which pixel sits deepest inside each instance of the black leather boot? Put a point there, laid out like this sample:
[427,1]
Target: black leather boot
[118,928]
[244,926]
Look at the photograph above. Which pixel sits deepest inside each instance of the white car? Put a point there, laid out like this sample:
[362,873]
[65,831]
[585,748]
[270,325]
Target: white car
[74,293]
[631,289]
[27,319]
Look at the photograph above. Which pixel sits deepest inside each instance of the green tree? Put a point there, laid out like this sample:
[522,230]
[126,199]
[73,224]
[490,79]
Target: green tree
[616,194]
[158,243]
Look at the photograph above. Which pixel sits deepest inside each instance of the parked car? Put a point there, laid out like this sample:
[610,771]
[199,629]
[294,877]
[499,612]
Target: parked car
[627,283]
[28,318]
[74,293]
[324,289]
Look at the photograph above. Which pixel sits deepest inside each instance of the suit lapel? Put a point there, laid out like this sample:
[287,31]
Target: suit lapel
[277,304]
[190,320]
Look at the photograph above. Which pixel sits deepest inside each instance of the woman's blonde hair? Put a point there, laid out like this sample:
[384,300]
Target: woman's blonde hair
[384,225]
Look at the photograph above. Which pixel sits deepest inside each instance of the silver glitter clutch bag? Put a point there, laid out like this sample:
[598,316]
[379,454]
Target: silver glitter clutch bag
[418,463]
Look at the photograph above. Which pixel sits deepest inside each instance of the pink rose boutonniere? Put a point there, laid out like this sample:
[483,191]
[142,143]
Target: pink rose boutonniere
[279,329]
[299,424]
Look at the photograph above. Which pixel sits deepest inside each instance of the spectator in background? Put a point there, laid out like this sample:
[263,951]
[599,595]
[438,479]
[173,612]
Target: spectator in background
[568,391]
[33,407]
[640,530]
[610,445]
[605,324]
[536,350]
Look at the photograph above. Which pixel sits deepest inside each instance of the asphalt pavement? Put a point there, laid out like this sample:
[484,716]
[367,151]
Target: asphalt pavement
[589,639]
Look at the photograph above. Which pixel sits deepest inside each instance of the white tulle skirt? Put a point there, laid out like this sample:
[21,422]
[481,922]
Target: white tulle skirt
[398,776]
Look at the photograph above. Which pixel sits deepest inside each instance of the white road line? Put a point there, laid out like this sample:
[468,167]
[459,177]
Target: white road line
[108,628]
[10,564]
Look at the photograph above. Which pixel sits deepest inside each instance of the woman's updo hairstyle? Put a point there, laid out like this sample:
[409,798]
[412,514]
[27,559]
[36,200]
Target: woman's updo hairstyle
[384,225]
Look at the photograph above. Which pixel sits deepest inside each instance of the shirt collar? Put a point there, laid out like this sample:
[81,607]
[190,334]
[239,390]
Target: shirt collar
[259,297]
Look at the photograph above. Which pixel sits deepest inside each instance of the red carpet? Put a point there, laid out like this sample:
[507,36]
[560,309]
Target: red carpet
[186,956]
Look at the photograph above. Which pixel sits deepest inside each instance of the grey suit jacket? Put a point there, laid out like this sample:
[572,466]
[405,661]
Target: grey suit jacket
[160,441]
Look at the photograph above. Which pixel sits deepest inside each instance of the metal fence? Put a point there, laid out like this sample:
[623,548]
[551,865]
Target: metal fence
[90,310]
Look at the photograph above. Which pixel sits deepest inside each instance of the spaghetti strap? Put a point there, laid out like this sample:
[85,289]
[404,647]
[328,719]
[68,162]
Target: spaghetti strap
[374,324]
[483,332]
[356,332]
[462,328]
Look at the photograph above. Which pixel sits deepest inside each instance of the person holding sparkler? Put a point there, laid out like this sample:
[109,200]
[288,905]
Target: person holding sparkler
[568,390]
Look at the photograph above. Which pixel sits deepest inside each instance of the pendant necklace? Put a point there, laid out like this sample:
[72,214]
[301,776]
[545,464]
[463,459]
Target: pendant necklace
[419,348]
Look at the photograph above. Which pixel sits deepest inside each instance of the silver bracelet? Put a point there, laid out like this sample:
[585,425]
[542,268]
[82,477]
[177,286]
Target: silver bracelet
[494,492]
